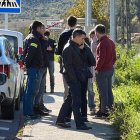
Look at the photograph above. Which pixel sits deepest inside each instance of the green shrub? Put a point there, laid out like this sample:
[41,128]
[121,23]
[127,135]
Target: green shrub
[127,66]
[126,114]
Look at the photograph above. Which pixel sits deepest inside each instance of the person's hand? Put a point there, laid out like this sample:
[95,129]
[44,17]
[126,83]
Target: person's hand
[81,46]
[49,48]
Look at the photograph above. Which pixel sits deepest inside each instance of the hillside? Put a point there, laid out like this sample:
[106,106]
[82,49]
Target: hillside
[43,8]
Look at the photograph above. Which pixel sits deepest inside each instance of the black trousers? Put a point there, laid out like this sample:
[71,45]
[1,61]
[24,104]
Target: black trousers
[76,101]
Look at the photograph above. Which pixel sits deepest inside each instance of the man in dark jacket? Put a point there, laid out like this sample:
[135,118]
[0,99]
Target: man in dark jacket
[33,62]
[105,59]
[76,59]
[49,59]
[39,106]
[63,40]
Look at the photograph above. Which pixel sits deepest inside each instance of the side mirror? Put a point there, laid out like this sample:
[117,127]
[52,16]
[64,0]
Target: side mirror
[3,78]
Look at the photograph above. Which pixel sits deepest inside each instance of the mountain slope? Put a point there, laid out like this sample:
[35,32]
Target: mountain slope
[43,8]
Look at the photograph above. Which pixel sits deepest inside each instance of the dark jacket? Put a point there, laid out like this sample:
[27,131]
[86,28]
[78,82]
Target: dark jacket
[50,54]
[75,59]
[32,52]
[105,54]
[47,55]
[63,39]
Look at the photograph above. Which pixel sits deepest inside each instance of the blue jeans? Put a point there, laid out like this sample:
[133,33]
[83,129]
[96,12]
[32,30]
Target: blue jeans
[32,88]
[104,84]
[39,97]
[91,94]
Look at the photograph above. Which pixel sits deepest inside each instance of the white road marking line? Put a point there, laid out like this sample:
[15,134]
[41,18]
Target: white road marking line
[4,128]
[2,138]
[8,121]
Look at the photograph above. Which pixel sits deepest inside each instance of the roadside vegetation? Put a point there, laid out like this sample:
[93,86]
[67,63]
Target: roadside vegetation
[126,114]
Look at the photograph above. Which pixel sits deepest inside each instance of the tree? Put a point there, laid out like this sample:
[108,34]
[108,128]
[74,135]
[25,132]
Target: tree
[99,10]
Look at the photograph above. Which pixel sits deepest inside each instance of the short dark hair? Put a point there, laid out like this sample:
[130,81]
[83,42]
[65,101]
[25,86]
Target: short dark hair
[47,33]
[78,32]
[36,24]
[72,21]
[100,28]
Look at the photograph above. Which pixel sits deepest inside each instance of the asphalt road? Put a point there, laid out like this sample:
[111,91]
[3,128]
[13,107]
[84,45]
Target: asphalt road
[9,128]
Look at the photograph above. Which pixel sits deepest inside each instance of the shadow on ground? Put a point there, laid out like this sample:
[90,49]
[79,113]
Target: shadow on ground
[97,128]
[49,99]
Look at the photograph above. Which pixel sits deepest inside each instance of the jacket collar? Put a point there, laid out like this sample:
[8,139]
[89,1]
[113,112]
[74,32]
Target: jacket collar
[37,34]
[75,46]
[103,37]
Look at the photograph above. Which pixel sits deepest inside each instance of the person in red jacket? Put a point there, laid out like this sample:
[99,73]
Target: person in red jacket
[105,59]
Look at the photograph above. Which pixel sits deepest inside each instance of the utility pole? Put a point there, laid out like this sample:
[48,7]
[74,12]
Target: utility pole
[88,14]
[122,23]
[6,20]
[112,20]
[128,25]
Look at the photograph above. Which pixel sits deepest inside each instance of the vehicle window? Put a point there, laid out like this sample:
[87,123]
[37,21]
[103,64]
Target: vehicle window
[6,50]
[13,42]
[9,49]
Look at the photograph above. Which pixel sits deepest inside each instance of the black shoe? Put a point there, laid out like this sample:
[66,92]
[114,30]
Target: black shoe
[46,110]
[41,112]
[83,127]
[100,114]
[64,125]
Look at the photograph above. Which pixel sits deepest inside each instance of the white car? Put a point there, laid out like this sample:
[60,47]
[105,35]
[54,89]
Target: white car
[16,40]
[11,74]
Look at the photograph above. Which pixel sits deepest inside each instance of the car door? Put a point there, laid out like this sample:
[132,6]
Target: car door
[16,41]
[14,68]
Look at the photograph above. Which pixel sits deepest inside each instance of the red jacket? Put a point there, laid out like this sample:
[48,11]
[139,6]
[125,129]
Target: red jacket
[105,54]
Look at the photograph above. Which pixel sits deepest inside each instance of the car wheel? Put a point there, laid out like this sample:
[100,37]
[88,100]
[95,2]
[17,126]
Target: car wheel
[8,109]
